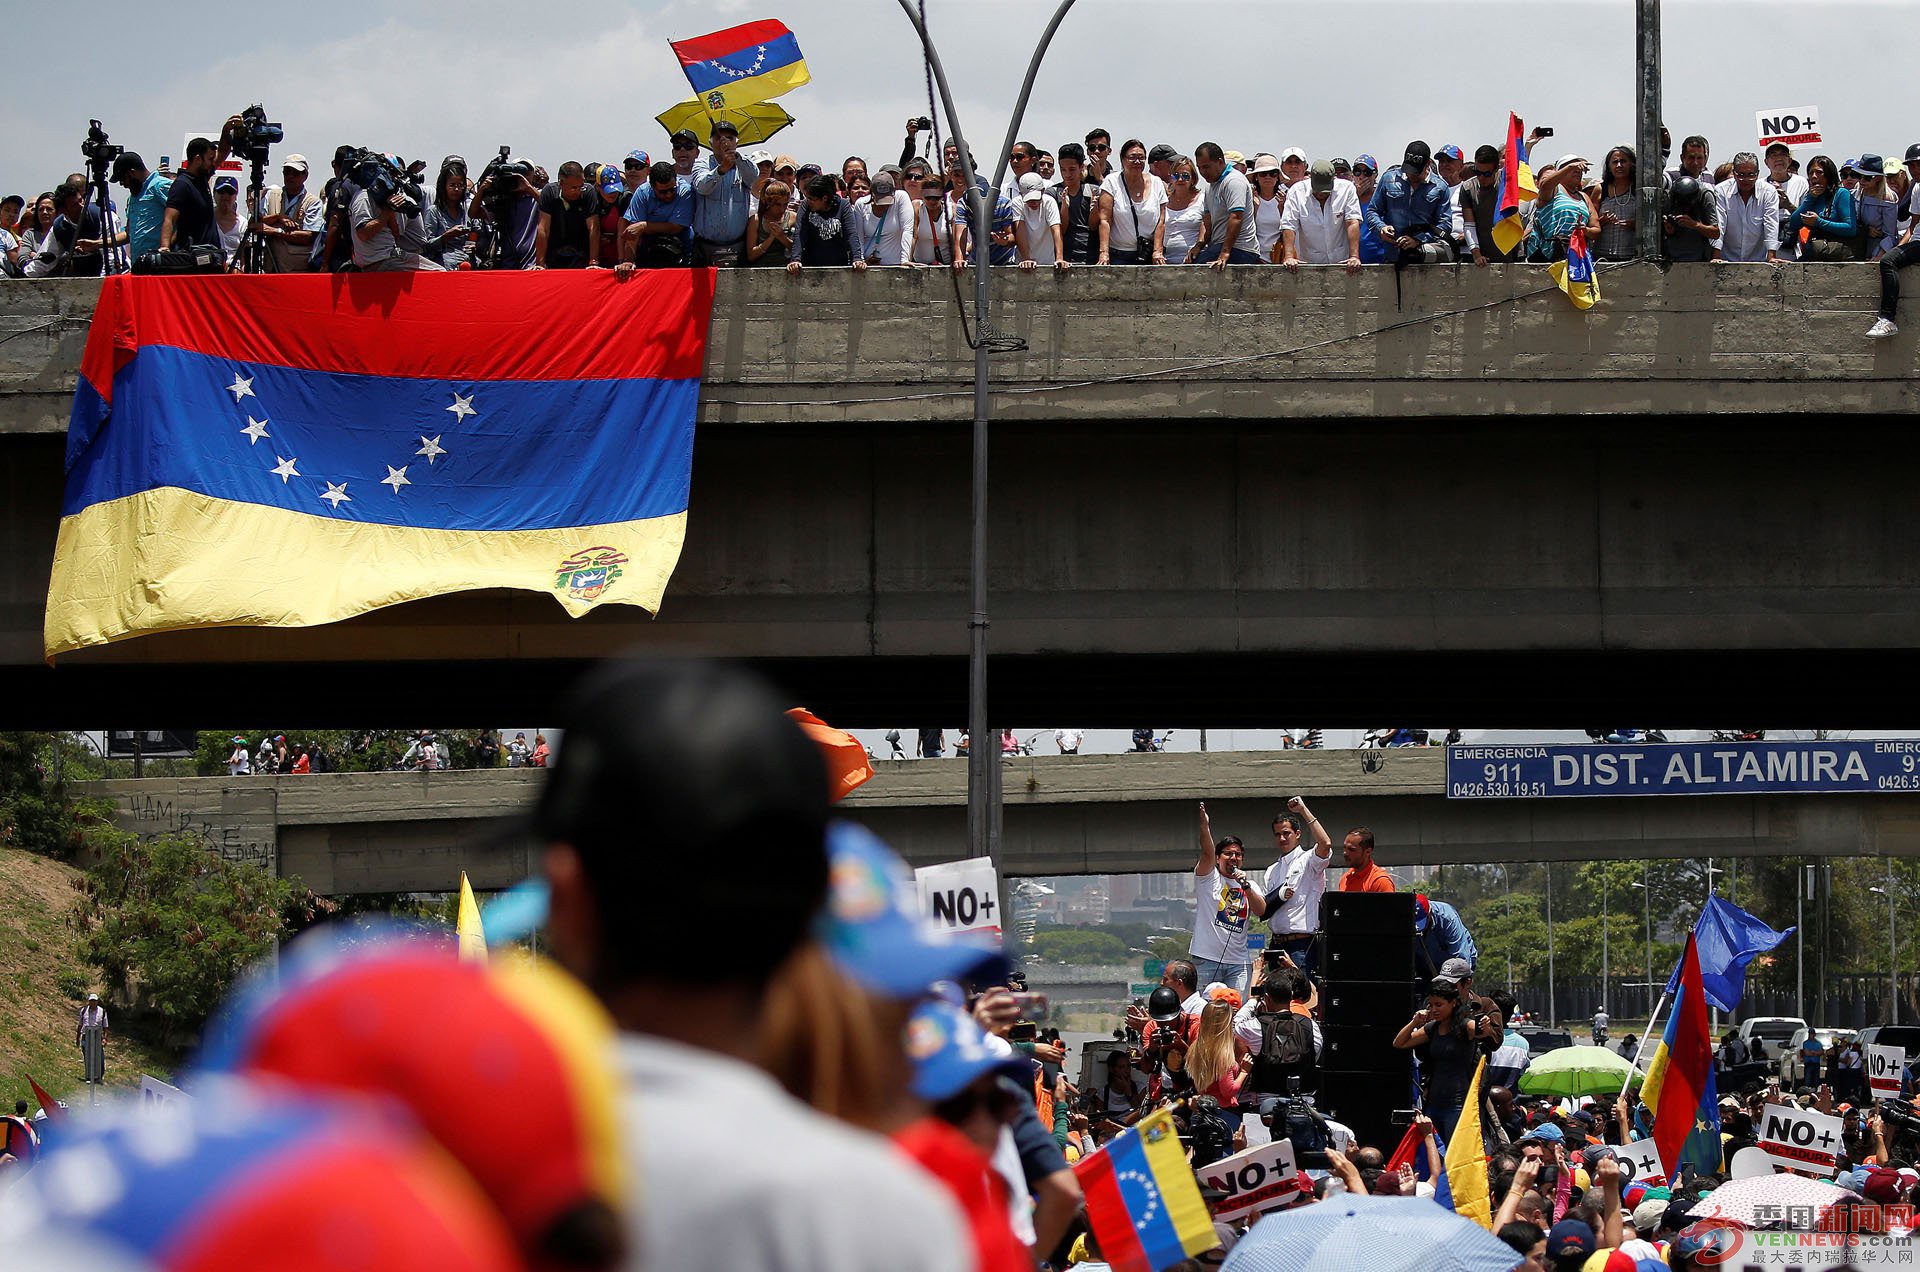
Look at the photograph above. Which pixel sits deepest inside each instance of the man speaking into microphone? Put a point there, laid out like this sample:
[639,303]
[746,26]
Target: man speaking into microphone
[1223,899]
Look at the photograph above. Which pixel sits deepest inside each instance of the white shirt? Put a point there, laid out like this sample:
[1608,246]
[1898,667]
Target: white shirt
[1749,228]
[1036,222]
[886,236]
[1246,1027]
[1266,220]
[1320,229]
[1220,912]
[1305,871]
[801,1191]
[1121,237]
[1068,739]
[1183,230]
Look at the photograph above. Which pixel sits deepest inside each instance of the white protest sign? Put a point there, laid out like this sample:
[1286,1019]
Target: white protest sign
[960,896]
[154,1092]
[1789,125]
[1800,1138]
[1884,1065]
[1646,1162]
[1258,1179]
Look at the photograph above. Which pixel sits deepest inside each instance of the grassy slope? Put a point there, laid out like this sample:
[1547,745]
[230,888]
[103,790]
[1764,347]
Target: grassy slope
[36,1017]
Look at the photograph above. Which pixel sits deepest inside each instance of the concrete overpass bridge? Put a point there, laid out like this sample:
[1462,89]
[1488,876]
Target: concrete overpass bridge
[1217,496]
[1064,815]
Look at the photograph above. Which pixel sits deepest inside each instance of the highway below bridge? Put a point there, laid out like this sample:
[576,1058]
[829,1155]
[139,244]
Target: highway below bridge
[1064,815]
[1226,497]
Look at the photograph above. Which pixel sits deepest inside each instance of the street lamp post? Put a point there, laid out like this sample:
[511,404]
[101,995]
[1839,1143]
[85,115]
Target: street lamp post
[1553,1015]
[1646,889]
[1606,949]
[983,758]
[1893,949]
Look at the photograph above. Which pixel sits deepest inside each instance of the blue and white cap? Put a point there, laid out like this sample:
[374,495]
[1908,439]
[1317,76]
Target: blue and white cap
[873,927]
[949,1051]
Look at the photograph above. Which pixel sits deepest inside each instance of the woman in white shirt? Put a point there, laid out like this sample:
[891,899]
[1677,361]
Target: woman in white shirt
[1130,203]
[1269,201]
[1184,212]
[932,224]
[227,218]
[1037,229]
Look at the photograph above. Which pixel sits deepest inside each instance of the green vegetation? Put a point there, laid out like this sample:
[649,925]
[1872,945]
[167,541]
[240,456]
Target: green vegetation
[170,925]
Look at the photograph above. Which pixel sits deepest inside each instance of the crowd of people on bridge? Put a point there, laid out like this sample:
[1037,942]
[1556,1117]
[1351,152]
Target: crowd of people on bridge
[1083,202]
[826,1081]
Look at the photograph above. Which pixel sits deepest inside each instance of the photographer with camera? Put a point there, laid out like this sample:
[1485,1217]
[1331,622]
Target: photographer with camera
[385,217]
[189,216]
[911,149]
[72,248]
[1448,1035]
[508,196]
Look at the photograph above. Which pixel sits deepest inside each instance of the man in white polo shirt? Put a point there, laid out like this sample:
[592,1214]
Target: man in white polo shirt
[1295,881]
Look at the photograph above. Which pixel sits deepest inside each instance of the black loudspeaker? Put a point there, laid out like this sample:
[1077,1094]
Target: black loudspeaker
[1363,1100]
[1368,1004]
[1366,913]
[1369,937]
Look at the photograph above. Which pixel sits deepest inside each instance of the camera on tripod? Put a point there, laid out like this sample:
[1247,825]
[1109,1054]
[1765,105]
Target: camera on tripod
[388,183]
[256,134]
[99,151]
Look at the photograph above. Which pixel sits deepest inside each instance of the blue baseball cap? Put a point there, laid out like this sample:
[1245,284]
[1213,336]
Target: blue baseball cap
[1546,1131]
[611,181]
[1569,1237]
[1368,162]
[1449,152]
[873,927]
[1421,912]
[949,1051]
[639,157]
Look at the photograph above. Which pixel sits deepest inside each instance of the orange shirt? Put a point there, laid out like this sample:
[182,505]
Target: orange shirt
[1367,878]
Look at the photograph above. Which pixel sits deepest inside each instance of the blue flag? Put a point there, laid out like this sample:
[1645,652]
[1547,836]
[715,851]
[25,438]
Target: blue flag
[1728,938]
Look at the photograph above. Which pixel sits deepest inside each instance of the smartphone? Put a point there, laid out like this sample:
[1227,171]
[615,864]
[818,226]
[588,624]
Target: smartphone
[1544,132]
[1033,1007]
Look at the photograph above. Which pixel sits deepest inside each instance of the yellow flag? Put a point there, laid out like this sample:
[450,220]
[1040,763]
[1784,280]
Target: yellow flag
[1467,1161]
[473,938]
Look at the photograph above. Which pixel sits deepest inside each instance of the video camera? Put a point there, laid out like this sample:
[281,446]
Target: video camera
[502,169]
[256,134]
[1903,1126]
[1296,1120]
[99,151]
[388,183]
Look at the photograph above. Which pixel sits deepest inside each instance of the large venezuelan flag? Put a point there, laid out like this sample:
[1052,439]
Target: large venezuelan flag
[1679,1086]
[1143,1201]
[741,65]
[282,451]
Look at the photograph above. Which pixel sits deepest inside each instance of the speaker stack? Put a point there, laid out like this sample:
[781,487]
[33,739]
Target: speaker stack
[1369,992]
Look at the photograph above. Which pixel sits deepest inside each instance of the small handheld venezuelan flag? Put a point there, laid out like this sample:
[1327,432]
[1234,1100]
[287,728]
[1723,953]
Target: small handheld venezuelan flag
[1516,187]
[1143,1202]
[1575,275]
[743,64]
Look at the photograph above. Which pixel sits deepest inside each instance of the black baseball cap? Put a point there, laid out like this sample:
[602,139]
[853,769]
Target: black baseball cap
[721,126]
[684,137]
[1913,153]
[1417,156]
[126,163]
[1161,153]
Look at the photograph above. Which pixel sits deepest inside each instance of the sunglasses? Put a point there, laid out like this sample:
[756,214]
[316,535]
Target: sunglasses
[1100,150]
[686,145]
[1181,176]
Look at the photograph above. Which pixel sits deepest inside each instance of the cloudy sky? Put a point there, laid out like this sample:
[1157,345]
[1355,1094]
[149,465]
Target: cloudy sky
[563,79]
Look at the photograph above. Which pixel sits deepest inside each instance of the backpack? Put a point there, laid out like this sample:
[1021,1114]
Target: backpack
[1286,1050]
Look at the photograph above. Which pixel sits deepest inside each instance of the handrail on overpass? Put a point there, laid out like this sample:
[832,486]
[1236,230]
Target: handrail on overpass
[1085,814]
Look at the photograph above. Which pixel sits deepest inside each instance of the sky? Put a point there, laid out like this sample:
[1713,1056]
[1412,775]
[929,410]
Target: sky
[572,80]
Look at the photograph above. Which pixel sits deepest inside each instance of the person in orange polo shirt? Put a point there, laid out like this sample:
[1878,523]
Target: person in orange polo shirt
[1362,875]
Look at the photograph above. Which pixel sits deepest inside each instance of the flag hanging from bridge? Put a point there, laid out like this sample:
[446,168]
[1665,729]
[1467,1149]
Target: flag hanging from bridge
[288,450]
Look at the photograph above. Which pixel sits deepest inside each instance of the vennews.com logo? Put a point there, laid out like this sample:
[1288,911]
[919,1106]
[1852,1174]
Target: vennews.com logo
[1859,1235]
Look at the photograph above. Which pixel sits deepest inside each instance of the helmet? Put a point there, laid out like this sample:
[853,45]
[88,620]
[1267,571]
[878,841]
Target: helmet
[1686,192]
[1163,1005]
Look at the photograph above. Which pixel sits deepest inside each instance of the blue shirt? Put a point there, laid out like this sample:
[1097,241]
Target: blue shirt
[1421,210]
[1003,219]
[721,202]
[1446,936]
[1835,208]
[647,206]
[145,211]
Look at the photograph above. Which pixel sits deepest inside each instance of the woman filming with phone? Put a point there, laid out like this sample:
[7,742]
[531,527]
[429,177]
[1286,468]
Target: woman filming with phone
[1445,1038]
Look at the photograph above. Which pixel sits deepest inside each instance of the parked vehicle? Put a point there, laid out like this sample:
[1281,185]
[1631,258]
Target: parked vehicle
[1541,1041]
[1906,1037]
[1771,1032]
[1793,1072]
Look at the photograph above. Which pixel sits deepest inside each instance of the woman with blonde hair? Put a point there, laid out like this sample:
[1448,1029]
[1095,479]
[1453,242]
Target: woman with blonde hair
[1218,1062]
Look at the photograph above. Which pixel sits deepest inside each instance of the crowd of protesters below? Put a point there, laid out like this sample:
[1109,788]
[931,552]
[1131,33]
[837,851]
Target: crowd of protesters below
[834,1083]
[1082,203]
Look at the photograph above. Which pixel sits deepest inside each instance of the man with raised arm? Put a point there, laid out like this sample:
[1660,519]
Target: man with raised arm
[1223,897]
[1295,881]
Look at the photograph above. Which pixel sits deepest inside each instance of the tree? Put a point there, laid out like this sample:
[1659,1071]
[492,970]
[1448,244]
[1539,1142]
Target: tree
[34,815]
[176,923]
[1078,945]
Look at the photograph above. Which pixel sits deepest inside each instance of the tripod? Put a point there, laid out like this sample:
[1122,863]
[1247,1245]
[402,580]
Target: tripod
[113,257]
[252,257]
